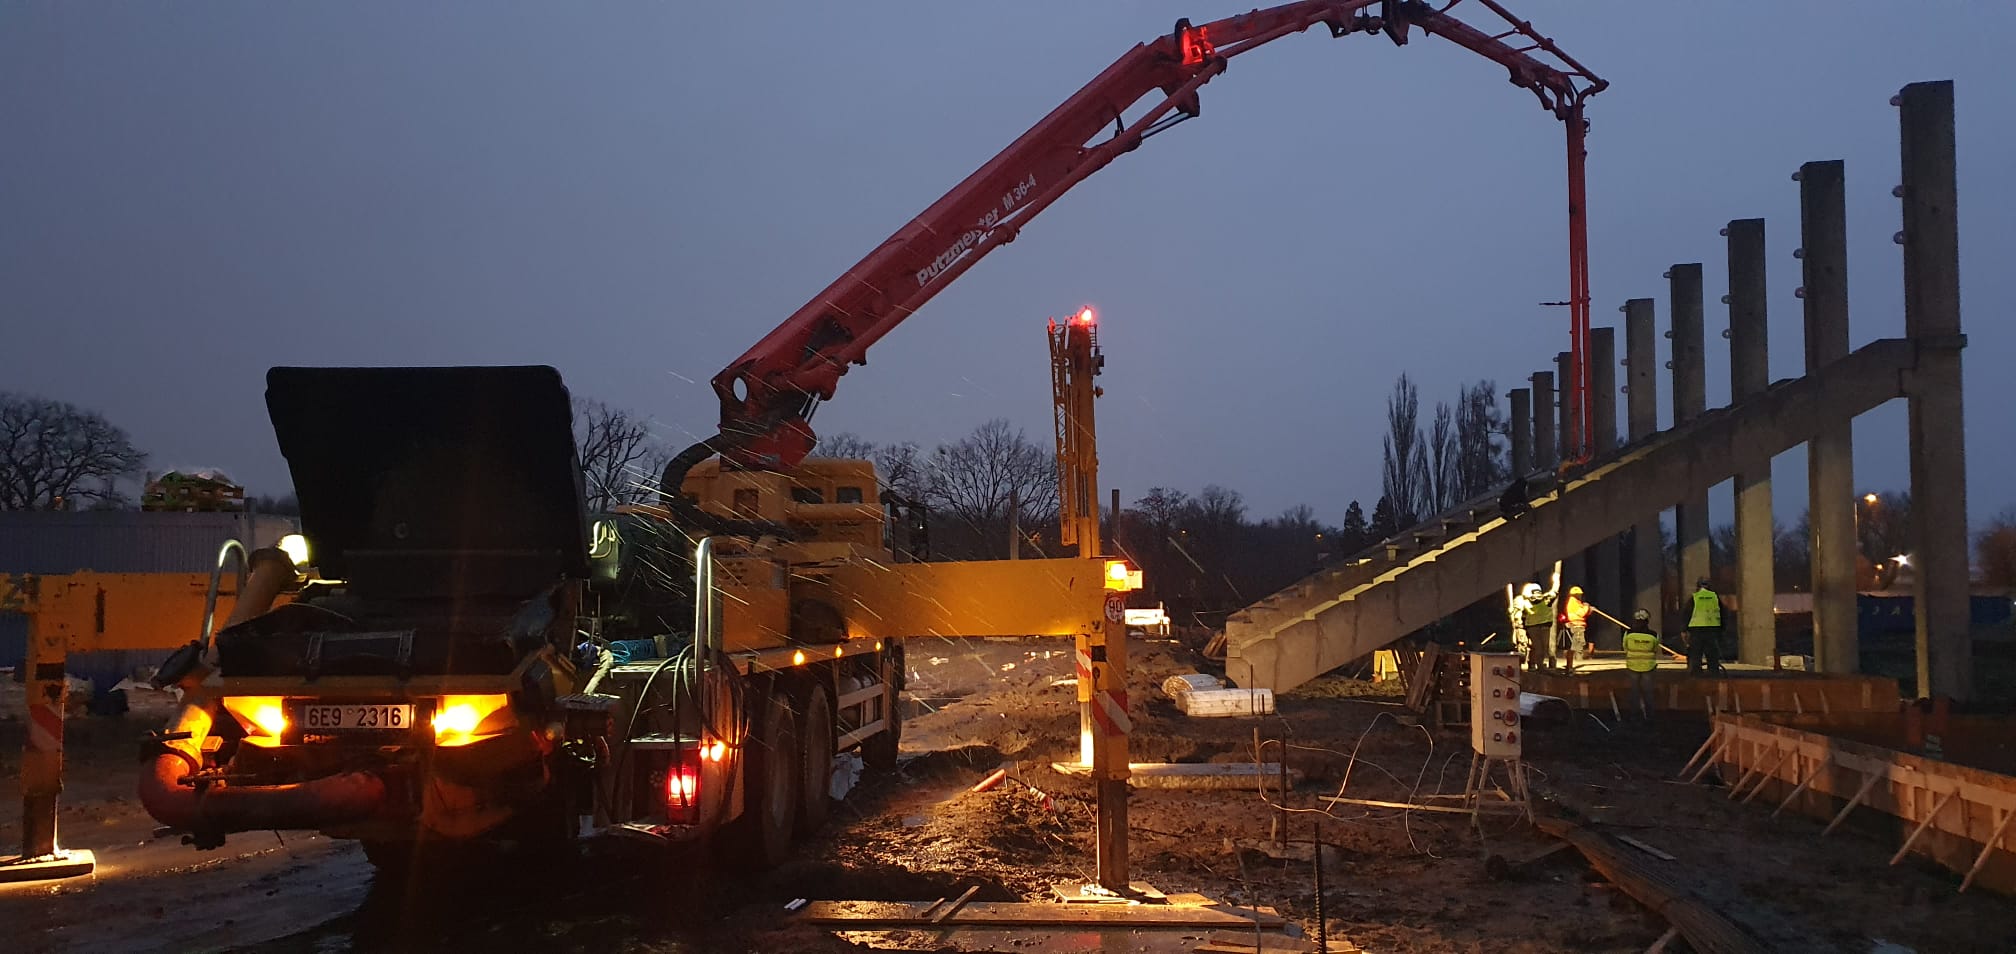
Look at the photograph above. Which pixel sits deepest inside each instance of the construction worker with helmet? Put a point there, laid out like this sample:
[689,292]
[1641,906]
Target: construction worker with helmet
[1531,613]
[1641,659]
[1704,630]
[1574,631]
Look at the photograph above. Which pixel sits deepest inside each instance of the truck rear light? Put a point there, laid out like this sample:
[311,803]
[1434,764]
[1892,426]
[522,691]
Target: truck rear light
[460,720]
[682,788]
[264,718]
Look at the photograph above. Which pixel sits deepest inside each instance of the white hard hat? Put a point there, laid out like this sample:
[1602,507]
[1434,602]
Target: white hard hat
[1532,589]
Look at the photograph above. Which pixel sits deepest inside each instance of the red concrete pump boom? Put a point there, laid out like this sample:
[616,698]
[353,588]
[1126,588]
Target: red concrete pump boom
[769,393]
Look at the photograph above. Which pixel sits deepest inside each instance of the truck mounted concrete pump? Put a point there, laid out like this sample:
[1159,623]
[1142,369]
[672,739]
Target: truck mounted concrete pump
[467,653]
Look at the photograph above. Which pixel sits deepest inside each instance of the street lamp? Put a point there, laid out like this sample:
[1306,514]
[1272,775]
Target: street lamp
[1869,499]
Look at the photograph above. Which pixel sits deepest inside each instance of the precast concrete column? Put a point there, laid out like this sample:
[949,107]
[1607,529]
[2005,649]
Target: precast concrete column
[1690,400]
[1931,239]
[1565,431]
[1522,431]
[1605,559]
[1830,456]
[1543,421]
[1750,375]
[1574,566]
[1641,401]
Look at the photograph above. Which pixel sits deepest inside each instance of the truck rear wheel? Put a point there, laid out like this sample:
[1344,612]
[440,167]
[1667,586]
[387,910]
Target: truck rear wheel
[762,836]
[815,760]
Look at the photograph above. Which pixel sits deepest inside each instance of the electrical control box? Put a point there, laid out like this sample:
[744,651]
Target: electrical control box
[1495,729]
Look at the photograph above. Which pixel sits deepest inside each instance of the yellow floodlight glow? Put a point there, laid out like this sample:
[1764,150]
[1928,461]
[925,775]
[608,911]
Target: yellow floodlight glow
[458,720]
[1120,576]
[296,548]
[264,718]
[798,658]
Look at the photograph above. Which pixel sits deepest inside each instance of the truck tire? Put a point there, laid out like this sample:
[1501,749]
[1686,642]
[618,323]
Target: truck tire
[815,759]
[761,837]
[391,860]
[879,751]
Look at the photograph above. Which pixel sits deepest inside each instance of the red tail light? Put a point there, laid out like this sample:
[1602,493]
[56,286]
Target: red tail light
[682,788]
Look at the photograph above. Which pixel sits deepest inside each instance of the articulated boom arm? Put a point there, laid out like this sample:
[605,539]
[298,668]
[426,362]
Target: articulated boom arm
[769,393]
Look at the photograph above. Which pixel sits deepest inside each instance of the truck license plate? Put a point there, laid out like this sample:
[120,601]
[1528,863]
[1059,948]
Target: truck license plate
[316,718]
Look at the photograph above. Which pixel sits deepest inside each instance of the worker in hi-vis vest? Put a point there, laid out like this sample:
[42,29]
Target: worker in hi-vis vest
[1641,660]
[1573,634]
[1531,613]
[1704,630]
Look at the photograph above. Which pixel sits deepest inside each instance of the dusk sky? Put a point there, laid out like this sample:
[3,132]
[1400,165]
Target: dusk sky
[636,192]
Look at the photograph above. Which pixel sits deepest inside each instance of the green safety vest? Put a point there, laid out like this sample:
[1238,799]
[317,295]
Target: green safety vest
[1540,613]
[1641,651]
[1707,609]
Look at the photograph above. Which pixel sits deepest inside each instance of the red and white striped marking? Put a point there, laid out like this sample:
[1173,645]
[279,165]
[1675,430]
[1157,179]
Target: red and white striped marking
[1109,709]
[45,728]
[1084,668]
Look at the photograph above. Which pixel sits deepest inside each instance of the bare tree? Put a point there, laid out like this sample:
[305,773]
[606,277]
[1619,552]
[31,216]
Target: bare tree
[1445,476]
[1479,425]
[620,463]
[845,445]
[1995,551]
[56,455]
[973,480]
[1406,467]
[902,469]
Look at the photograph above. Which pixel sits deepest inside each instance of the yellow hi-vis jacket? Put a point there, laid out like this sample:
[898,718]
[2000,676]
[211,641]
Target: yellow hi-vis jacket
[1641,650]
[1707,609]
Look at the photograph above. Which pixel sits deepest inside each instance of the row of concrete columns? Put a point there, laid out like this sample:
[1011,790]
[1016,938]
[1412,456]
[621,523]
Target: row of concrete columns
[1938,472]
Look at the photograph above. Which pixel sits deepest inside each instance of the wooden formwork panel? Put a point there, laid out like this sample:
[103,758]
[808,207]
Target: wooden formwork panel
[1675,690]
[1954,814]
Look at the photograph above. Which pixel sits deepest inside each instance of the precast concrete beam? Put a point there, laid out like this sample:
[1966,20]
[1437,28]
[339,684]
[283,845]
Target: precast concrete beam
[1324,627]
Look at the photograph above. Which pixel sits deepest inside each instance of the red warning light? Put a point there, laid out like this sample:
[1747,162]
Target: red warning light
[1084,316]
[1196,44]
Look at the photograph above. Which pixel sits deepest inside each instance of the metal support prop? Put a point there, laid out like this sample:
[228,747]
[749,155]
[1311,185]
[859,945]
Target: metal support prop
[1102,654]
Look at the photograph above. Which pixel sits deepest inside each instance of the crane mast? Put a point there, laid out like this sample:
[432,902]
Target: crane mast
[768,395]
[1075,359]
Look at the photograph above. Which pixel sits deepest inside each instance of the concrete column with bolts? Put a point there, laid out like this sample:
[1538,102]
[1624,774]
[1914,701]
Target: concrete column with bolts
[1830,456]
[1574,566]
[1641,401]
[1543,421]
[1564,428]
[1750,374]
[1690,400]
[1931,239]
[1522,431]
[1605,559]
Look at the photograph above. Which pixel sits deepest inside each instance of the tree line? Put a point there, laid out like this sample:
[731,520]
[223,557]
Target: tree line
[1203,551]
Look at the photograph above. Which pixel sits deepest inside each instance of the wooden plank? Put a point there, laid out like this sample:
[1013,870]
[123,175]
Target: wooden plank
[1648,849]
[1705,930]
[1192,775]
[954,907]
[1407,806]
[1022,913]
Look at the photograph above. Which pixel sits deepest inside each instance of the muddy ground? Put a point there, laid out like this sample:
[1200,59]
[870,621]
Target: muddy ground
[1394,881]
